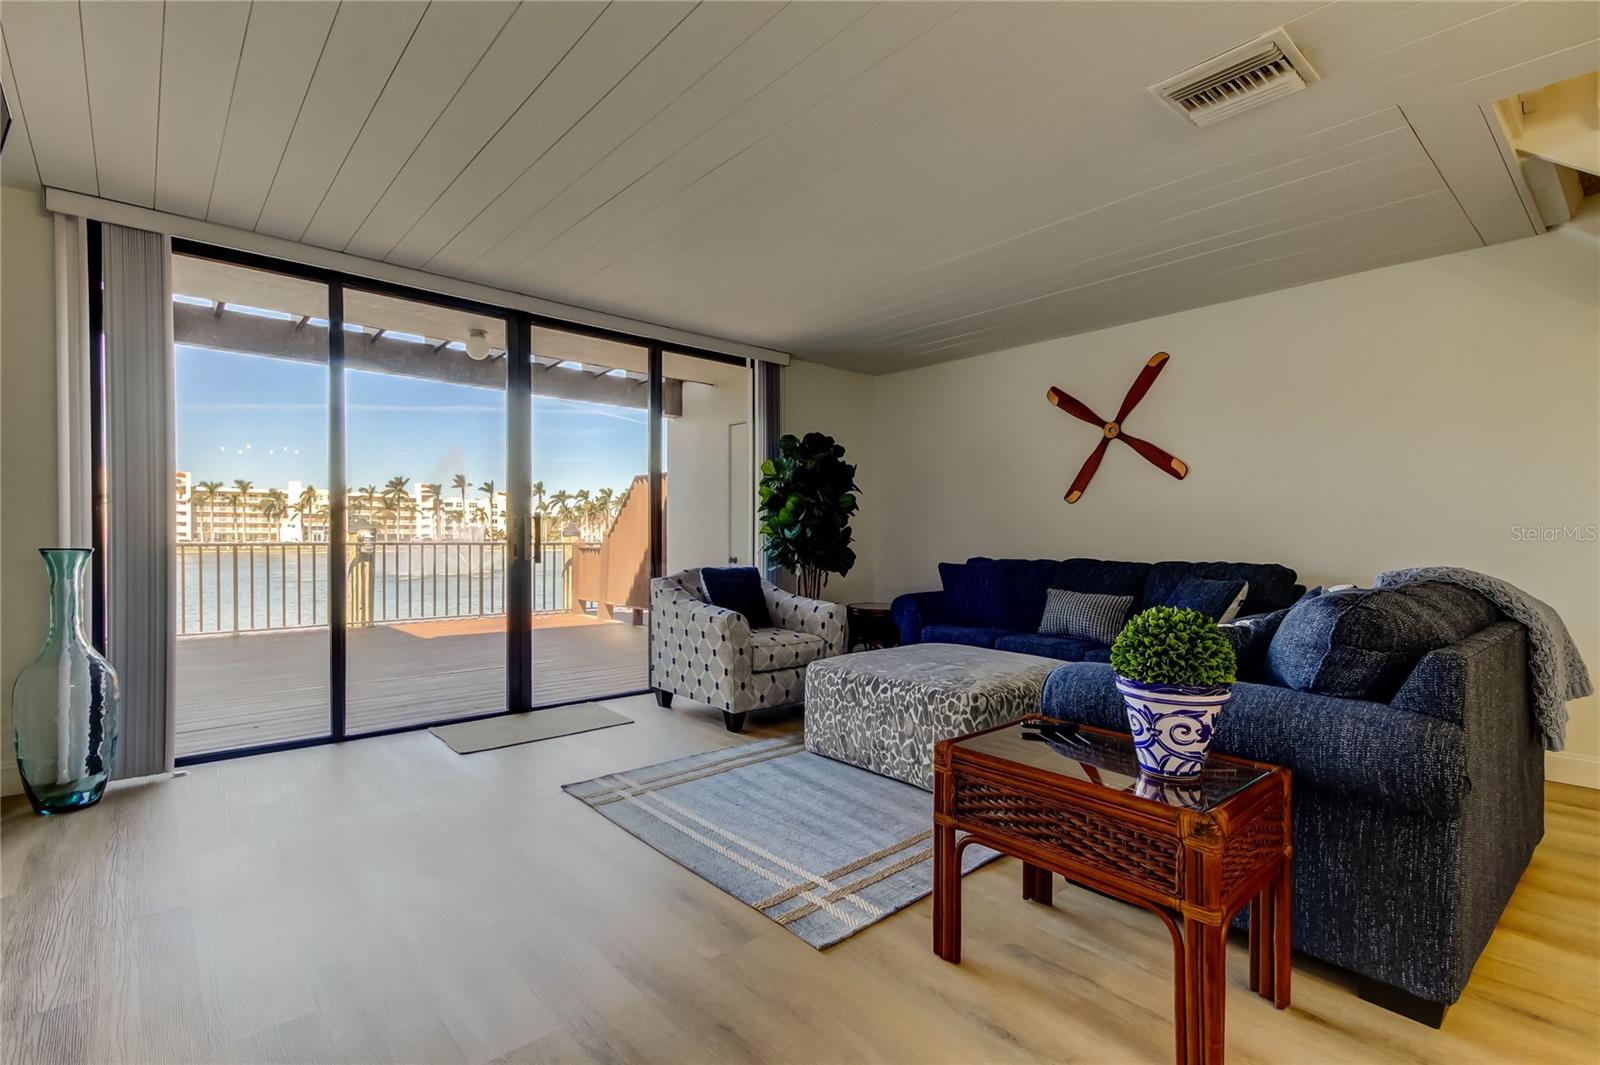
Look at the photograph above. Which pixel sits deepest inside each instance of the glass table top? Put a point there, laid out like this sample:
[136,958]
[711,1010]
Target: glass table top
[1107,760]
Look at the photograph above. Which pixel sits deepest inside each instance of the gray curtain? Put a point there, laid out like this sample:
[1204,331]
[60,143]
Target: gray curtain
[140,472]
[769,377]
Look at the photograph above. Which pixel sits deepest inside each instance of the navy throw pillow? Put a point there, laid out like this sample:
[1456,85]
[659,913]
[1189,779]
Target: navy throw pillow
[737,588]
[1250,638]
[1218,600]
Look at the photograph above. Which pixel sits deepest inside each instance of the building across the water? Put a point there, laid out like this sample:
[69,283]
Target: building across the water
[214,512]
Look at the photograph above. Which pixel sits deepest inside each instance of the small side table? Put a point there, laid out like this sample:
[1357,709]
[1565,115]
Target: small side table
[871,626]
[1072,802]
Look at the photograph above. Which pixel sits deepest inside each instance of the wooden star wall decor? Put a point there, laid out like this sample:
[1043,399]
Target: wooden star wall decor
[1112,430]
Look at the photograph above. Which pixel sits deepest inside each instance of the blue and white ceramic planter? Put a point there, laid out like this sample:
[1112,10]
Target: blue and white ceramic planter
[1188,795]
[1171,725]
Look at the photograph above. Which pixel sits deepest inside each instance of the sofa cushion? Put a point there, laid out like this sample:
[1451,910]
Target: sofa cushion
[772,649]
[736,588]
[1272,587]
[1084,615]
[1098,654]
[1368,753]
[1015,588]
[971,635]
[1066,648]
[964,594]
[1099,577]
[1362,643]
[1218,600]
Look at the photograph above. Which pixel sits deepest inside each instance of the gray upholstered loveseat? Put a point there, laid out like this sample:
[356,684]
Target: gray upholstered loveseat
[712,655]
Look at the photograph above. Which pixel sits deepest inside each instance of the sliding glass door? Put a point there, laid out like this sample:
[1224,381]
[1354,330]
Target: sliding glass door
[396,509]
[251,501]
[426,512]
[589,453]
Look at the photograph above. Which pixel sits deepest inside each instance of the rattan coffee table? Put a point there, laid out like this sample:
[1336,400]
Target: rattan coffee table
[1072,802]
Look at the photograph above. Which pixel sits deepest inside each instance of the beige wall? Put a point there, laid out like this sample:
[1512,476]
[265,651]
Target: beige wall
[27,439]
[1435,412]
[820,399]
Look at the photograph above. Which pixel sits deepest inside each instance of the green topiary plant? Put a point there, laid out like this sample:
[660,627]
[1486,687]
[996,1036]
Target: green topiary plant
[1170,645]
[807,498]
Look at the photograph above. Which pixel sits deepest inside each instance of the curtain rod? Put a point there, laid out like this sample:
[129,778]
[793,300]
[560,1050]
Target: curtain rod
[62,201]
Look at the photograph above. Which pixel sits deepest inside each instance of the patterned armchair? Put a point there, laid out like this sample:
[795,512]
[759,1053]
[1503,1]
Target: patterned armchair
[712,655]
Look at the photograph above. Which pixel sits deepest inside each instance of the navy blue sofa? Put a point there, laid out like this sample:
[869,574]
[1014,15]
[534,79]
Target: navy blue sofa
[997,602]
[1418,774]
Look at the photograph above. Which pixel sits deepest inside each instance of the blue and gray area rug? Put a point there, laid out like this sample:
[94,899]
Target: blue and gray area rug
[823,848]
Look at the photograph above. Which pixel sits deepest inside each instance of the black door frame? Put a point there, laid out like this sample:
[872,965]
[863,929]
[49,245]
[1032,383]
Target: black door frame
[519,474]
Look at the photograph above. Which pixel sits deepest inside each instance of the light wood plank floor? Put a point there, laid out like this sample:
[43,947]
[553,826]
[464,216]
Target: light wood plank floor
[245,691]
[388,900]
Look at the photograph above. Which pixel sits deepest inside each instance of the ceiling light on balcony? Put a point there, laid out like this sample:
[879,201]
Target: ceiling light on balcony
[477,344]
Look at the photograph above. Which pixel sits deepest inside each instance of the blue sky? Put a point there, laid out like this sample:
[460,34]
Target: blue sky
[266,420]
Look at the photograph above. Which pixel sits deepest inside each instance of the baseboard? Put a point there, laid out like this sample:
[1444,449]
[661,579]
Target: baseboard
[10,779]
[1569,767]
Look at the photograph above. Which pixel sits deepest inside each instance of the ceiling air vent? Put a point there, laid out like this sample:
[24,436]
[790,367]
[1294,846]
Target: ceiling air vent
[1248,76]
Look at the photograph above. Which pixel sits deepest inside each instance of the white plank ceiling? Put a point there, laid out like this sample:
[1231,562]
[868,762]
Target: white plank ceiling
[877,186]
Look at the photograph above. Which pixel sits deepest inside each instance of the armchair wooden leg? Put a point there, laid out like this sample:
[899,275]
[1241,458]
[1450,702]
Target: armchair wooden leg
[735,722]
[663,698]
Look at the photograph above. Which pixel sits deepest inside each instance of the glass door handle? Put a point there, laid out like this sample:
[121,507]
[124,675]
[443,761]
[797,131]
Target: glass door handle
[538,539]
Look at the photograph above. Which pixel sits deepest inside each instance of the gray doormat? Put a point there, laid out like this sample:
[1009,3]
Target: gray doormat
[821,847]
[508,730]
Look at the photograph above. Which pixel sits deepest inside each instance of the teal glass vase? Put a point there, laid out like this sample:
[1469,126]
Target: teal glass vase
[65,704]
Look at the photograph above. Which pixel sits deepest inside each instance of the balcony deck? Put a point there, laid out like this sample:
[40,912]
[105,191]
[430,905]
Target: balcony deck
[259,688]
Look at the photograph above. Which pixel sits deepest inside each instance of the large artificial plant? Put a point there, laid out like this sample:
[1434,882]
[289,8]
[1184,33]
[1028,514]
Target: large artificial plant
[807,499]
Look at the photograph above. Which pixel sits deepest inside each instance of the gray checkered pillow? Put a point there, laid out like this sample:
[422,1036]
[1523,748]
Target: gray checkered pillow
[1085,615]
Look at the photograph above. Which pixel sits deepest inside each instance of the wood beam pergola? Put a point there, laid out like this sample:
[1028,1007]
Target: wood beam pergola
[305,341]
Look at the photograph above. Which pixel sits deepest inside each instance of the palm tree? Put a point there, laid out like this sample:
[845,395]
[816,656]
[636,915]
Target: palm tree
[538,495]
[436,496]
[369,496]
[275,506]
[391,509]
[396,494]
[197,497]
[603,501]
[580,509]
[305,504]
[460,483]
[487,488]
[206,492]
[244,488]
[561,508]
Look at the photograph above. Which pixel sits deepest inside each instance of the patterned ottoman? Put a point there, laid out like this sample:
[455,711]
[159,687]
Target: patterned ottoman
[884,710]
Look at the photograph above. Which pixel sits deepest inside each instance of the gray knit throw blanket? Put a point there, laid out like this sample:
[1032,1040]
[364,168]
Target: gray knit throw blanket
[1556,672]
